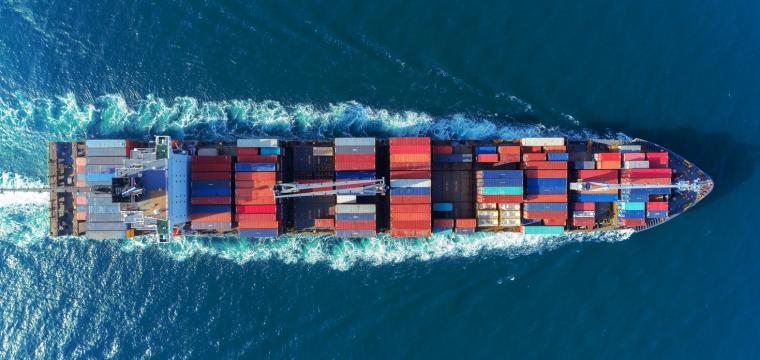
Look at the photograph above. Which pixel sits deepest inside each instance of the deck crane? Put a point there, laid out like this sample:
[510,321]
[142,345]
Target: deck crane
[291,190]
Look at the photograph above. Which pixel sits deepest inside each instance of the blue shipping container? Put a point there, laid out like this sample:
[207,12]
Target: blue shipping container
[210,209]
[651,191]
[355,233]
[545,206]
[546,182]
[533,190]
[354,175]
[410,191]
[501,182]
[596,197]
[354,217]
[557,157]
[443,230]
[99,177]
[259,233]
[657,214]
[485,150]
[211,192]
[443,207]
[464,230]
[255,167]
[211,184]
[269,151]
[635,214]
[501,174]
[452,158]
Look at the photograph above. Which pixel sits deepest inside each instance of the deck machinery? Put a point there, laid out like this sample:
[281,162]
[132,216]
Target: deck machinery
[359,187]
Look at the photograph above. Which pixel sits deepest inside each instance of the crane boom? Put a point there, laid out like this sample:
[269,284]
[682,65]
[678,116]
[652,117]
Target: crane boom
[290,190]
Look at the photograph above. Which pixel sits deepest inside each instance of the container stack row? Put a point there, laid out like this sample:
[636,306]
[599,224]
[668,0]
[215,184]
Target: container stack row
[255,177]
[314,163]
[597,176]
[410,182]
[631,214]
[500,193]
[355,159]
[355,220]
[545,161]
[584,214]
[660,176]
[211,192]
[103,215]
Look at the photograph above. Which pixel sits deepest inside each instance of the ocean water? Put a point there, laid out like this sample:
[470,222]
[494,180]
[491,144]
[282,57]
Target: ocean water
[678,73]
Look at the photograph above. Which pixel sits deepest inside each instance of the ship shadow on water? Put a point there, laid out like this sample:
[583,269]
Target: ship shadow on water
[727,161]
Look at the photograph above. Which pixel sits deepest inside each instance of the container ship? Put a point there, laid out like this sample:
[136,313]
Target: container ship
[363,187]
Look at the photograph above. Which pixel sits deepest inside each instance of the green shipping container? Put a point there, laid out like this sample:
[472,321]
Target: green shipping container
[508,190]
[543,230]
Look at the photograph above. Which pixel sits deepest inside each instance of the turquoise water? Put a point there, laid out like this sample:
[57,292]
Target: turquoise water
[677,73]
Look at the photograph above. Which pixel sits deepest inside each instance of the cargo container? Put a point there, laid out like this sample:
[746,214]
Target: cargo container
[544,165]
[257,143]
[543,230]
[557,141]
[533,198]
[583,221]
[259,233]
[557,156]
[241,167]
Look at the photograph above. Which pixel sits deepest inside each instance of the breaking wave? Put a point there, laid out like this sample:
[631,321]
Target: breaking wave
[27,124]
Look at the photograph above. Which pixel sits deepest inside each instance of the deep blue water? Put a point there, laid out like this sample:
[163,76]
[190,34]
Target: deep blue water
[679,73]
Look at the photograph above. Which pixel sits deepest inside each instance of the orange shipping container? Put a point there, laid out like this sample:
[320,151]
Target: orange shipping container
[410,158]
[546,174]
[509,150]
[256,176]
[259,201]
[488,158]
[256,217]
[81,216]
[411,199]
[410,166]
[543,165]
[411,174]
[555,148]
[324,223]
[246,224]
[409,149]
[416,216]
[217,217]
[466,223]
[410,208]
[545,198]
[80,161]
[410,233]
[409,141]
[608,165]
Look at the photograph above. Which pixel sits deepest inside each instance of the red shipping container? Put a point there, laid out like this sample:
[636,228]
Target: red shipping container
[598,175]
[583,221]
[554,149]
[465,223]
[257,159]
[247,151]
[259,185]
[210,200]
[608,165]
[555,222]
[409,141]
[256,201]
[352,158]
[410,158]
[657,160]
[246,194]
[633,222]
[410,224]
[634,156]
[538,215]
[410,233]
[256,209]
[531,149]
[509,158]
[531,198]
[344,166]
[488,158]
[248,224]
[645,181]
[411,199]
[425,165]
[409,149]
[256,176]
[213,217]
[255,217]
[221,159]
[547,174]
[584,206]
[509,150]
[355,225]
[411,174]
[411,216]
[410,208]
[442,149]
[646,173]
[210,167]
[499,198]
[534,157]
[225,175]
[324,223]
[610,156]
[541,165]
[657,205]
[443,223]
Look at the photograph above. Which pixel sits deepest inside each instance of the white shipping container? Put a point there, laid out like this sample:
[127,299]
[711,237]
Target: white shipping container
[509,206]
[367,141]
[487,206]
[355,208]
[509,222]
[208,152]
[637,164]
[323,151]
[488,222]
[107,151]
[346,199]
[488,214]
[106,143]
[558,141]
[629,147]
[104,235]
[583,214]
[257,143]
[510,214]
[413,183]
[103,226]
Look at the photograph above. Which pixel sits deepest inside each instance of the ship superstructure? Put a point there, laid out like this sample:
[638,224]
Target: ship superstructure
[359,187]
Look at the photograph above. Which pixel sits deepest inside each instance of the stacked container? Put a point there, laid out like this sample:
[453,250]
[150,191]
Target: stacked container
[608,161]
[584,214]
[635,160]
[509,154]
[657,160]
[545,161]
[509,215]
[102,214]
[496,188]
[255,177]
[211,193]
[410,165]
[660,176]
[657,209]
[354,160]
[465,225]
[631,214]
[599,176]
[355,220]
[486,154]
